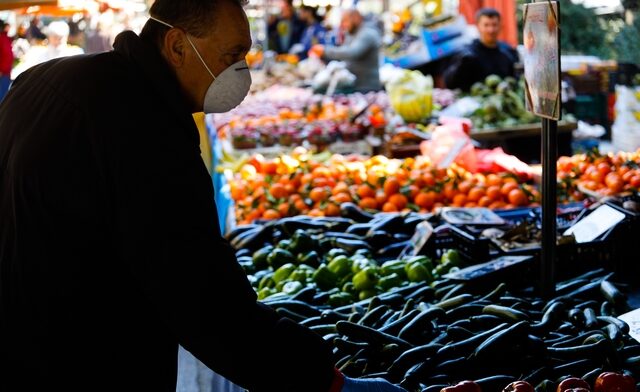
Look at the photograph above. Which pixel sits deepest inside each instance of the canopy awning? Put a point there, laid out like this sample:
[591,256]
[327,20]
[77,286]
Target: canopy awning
[13,4]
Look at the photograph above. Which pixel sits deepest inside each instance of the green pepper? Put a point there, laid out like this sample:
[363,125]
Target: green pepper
[333,253]
[340,299]
[266,282]
[292,287]
[260,257]
[393,267]
[279,257]
[265,292]
[424,260]
[451,257]
[283,272]
[366,294]
[346,279]
[365,279]
[364,252]
[390,281]
[284,244]
[299,276]
[324,278]
[417,272]
[301,242]
[349,288]
[359,264]
[310,258]
[340,265]
[280,285]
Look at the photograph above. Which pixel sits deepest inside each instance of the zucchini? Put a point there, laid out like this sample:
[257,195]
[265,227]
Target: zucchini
[295,306]
[485,321]
[455,290]
[284,312]
[580,339]
[550,319]
[414,356]
[465,311]
[422,294]
[383,320]
[613,332]
[505,312]
[577,367]
[419,325]
[466,324]
[606,309]
[630,351]
[458,334]
[305,295]
[590,376]
[576,316]
[323,329]
[537,375]
[588,304]
[565,288]
[590,318]
[349,347]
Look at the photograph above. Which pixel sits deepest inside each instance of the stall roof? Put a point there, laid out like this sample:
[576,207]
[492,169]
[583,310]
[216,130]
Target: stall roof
[13,4]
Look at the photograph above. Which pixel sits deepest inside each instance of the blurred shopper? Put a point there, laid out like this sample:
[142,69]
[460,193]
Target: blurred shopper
[57,35]
[285,30]
[360,51]
[314,33]
[6,59]
[97,38]
[484,56]
[111,254]
[34,33]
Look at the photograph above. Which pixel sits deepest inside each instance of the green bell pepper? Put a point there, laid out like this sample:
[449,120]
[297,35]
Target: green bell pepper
[284,244]
[365,279]
[340,299]
[340,265]
[310,258]
[349,288]
[366,294]
[424,260]
[292,287]
[279,257]
[393,267]
[358,264]
[260,257]
[265,292]
[299,276]
[266,282]
[283,272]
[390,281]
[324,278]
[334,253]
[451,257]
[417,272]
[301,242]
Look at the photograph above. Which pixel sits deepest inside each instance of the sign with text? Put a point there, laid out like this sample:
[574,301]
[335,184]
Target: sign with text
[542,59]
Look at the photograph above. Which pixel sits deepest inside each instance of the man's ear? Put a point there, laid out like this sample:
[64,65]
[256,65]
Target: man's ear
[174,47]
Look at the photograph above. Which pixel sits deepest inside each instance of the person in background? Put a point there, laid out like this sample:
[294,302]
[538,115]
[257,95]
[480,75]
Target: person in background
[6,59]
[484,56]
[314,33]
[57,35]
[285,30]
[98,38]
[34,33]
[360,51]
[111,254]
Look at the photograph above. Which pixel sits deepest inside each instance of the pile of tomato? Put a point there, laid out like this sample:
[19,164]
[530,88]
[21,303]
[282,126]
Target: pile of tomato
[297,184]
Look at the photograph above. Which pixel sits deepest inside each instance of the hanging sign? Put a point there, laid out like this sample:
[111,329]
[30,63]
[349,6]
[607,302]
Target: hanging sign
[542,59]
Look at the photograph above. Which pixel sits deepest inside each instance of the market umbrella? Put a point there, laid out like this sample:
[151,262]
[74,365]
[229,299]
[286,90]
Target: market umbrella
[13,4]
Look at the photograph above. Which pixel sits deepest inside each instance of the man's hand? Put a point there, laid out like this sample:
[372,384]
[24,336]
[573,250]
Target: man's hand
[369,385]
[316,51]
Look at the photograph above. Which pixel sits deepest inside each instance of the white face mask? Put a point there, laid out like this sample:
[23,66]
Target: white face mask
[227,90]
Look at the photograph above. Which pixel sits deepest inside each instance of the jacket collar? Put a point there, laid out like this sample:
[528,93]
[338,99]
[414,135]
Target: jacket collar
[155,69]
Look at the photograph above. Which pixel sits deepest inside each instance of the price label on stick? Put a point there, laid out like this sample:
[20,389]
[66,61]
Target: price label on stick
[424,230]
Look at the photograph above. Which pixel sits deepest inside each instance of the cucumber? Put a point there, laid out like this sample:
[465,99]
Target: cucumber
[577,317]
[577,367]
[422,294]
[349,347]
[435,388]
[373,316]
[361,333]
[606,309]
[497,343]
[575,340]
[577,352]
[588,304]
[454,302]
[419,325]
[612,294]
[455,290]
[495,383]
[464,347]
[414,356]
[465,311]
[323,329]
[305,295]
[622,325]
[505,312]
[613,332]
[590,376]
[550,319]
[485,321]
[496,293]
[565,288]
[395,327]
[537,375]
[458,334]
[284,312]
[295,306]
[461,323]
[590,318]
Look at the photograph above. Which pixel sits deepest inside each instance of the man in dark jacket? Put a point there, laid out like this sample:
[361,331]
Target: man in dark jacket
[285,30]
[110,251]
[484,56]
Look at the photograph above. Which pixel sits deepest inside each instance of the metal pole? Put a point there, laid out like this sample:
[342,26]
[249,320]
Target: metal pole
[549,205]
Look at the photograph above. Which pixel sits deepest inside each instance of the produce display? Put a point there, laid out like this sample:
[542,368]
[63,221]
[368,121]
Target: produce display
[599,174]
[341,259]
[287,117]
[501,103]
[449,337]
[411,95]
[298,184]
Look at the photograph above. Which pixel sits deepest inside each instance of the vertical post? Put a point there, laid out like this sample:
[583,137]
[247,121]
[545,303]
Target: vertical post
[549,206]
